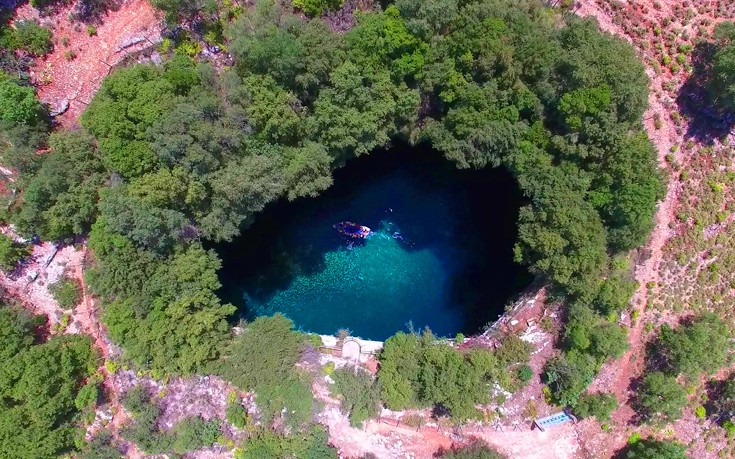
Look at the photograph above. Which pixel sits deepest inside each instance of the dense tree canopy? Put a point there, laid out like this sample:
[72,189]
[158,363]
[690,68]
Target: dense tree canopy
[417,370]
[722,83]
[699,346]
[653,449]
[39,383]
[171,157]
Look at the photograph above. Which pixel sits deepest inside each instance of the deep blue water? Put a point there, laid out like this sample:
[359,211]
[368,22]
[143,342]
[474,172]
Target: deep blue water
[440,255]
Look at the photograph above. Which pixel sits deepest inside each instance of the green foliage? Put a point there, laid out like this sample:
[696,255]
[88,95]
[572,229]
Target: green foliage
[477,449]
[101,446]
[262,355]
[660,398]
[722,82]
[289,402]
[194,433]
[268,444]
[67,292]
[38,387]
[27,36]
[317,7]
[11,252]
[653,449]
[188,435]
[181,154]
[360,394]
[165,312]
[237,414]
[569,375]
[418,371]
[360,111]
[18,104]
[700,346]
[599,406]
[60,198]
[525,373]
[87,396]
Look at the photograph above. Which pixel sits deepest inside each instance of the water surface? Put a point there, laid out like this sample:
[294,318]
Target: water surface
[440,255]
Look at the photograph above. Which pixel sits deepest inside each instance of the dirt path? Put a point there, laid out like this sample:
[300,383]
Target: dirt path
[68,77]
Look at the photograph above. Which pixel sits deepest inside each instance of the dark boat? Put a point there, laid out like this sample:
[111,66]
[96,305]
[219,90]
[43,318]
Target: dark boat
[352,230]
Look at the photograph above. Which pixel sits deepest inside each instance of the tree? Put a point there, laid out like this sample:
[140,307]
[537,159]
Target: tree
[599,406]
[569,375]
[700,346]
[360,111]
[60,198]
[660,398]
[722,82]
[38,387]
[262,355]
[11,252]
[653,449]
[477,449]
[18,104]
[30,37]
[360,394]
[419,371]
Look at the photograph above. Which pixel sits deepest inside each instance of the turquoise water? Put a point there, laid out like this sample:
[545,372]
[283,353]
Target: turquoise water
[440,254]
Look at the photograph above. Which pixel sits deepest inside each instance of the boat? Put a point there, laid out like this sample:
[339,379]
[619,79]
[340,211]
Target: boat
[352,230]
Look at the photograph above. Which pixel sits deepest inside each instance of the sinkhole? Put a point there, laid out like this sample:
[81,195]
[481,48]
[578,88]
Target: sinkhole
[440,254]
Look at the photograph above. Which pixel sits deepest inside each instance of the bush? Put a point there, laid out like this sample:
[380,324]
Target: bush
[11,252]
[67,292]
[660,398]
[267,443]
[194,433]
[314,8]
[653,449]
[264,354]
[525,374]
[87,396]
[18,104]
[477,449]
[237,414]
[360,394]
[30,37]
[599,406]
[699,346]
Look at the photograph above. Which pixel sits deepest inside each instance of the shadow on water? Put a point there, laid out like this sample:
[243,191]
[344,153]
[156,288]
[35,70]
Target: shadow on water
[706,122]
[412,197]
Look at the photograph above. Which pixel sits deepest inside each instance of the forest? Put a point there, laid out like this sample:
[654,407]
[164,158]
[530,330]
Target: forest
[171,158]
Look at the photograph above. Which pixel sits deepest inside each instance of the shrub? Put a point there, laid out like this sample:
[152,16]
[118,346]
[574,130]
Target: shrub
[11,252]
[30,37]
[87,396]
[67,292]
[91,30]
[314,8]
[653,449]
[525,373]
[477,449]
[194,433]
[360,394]
[18,104]
[699,346]
[599,406]
[237,414]
[661,398]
